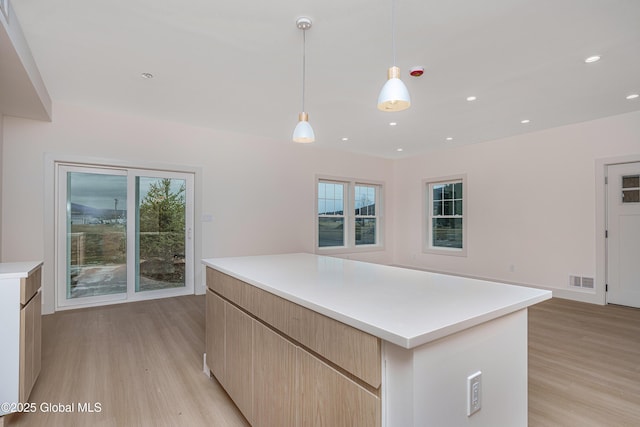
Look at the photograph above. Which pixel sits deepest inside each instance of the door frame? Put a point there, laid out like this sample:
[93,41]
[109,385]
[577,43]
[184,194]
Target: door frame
[50,254]
[601,221]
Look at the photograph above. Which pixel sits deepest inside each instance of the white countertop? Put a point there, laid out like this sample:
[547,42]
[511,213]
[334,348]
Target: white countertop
[403,306]
[12,270]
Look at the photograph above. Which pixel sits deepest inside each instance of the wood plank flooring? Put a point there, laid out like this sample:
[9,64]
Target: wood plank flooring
[143,363]
[584,365]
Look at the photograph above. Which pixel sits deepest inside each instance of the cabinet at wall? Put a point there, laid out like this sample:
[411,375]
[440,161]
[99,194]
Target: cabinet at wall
[285,365]
[20,331]
[30,344]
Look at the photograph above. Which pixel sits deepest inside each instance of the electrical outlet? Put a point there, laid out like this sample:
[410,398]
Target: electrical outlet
[474,393]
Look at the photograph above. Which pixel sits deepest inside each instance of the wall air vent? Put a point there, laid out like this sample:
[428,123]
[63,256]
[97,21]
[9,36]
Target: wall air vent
[587,282]
[581,282]
[575,281]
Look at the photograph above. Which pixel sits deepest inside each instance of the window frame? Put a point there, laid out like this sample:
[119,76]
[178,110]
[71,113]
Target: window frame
[345,228]
[427,216]
[350,216]
[357,216]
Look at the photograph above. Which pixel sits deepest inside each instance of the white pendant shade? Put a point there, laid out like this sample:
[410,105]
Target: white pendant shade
[394,95]
[303,131]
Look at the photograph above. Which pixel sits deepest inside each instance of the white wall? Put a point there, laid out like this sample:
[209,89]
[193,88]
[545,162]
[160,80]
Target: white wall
[531,200]
[260,192]
[1,174]
[531,204]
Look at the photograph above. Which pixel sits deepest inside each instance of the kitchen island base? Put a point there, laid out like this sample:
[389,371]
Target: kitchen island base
[290,344]
[427,385]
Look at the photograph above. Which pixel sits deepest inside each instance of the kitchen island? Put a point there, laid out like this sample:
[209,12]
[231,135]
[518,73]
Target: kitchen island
[302,339]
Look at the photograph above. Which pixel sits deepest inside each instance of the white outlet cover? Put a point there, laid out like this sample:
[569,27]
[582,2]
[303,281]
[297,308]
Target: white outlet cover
[474,393]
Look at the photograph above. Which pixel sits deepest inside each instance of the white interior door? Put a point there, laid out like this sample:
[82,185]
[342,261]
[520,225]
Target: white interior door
[623,228]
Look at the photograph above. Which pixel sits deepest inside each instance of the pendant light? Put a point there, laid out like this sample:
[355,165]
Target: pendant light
[303,131]
[394,95]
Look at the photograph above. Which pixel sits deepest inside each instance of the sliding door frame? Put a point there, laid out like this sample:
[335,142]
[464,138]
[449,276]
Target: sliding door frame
[56,252]
[132,293]
[63,240]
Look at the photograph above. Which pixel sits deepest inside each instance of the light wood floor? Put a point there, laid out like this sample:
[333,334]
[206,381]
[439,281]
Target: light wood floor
[143,363]
[584,365]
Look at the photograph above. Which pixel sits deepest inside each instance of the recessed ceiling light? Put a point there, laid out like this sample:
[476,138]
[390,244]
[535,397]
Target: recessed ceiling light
[344,138]
[399,149]
[632,96]
[146,75]
[594,58]
[393,124]
[525,121]
[471,98]
[449,138]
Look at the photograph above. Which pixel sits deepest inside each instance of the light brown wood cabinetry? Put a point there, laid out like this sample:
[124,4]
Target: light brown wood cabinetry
[229,346]
[274,379]
[286,365]
[355,351]
[30,345]
[239,359]
[214,345]
[29,285]
[331,399]
[20,332]
[30,332]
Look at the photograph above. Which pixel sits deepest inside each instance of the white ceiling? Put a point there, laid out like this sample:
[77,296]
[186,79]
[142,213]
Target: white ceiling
[236,65]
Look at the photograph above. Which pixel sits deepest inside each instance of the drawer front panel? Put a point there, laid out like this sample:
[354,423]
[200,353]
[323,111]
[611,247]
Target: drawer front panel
[30,285]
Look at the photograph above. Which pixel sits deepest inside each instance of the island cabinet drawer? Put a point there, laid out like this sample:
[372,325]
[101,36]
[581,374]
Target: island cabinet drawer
[349,348]
[229,287]
[30,285]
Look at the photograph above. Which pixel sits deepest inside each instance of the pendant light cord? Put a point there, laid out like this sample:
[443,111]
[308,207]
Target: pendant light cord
[393,31]
[304,64]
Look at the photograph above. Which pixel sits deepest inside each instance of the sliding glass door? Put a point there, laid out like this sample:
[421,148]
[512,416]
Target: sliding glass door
[96,235]
[122,234]
[160,236]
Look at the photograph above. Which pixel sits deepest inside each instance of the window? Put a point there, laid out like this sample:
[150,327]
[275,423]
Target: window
[331,214]
[365,214]
[445,217]
[631,189]
[348,215]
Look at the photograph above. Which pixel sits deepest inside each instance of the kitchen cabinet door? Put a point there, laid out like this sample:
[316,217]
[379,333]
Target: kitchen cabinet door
[215,335]
[274,365]
[328,398]
[30,345]
[238,372]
